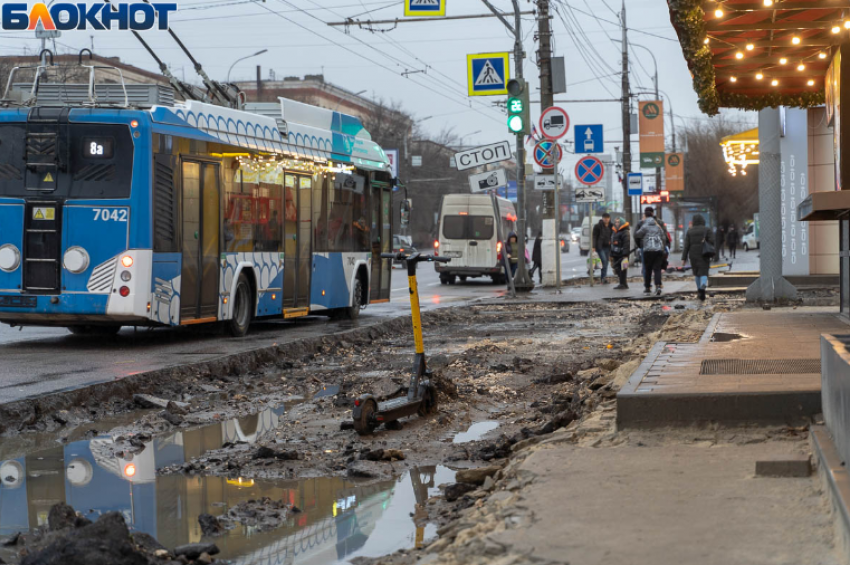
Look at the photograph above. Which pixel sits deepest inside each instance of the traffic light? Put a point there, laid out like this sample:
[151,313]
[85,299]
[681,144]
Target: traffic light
[519,119]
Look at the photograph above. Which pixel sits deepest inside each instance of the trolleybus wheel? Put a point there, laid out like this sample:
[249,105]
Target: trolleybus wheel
[365,425]
[100,331]
[353,311]
[237,326]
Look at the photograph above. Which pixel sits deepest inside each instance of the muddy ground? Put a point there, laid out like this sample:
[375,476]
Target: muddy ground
[527,369]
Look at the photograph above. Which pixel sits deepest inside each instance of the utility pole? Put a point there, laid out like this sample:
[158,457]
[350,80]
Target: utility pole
[627,126]
[544,58]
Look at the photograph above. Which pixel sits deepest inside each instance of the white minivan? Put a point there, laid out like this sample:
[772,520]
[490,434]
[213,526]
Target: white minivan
[467,234]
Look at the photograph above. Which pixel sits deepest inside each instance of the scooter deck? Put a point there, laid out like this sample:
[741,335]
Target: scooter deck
[397,408]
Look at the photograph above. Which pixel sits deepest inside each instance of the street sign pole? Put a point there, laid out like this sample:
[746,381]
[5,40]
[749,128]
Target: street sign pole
[523,282]
[590,251]
[555,154]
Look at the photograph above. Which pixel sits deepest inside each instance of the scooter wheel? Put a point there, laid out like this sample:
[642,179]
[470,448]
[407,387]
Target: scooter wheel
[429,402]
[365,425]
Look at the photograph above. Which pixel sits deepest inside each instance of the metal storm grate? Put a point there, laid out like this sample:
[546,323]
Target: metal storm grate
[759,366]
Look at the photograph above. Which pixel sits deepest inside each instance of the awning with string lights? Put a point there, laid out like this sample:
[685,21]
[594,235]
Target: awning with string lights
[753,54]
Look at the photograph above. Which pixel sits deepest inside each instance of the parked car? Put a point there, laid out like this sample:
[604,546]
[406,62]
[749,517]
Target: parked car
[751,236]
[404,244]
[575,234]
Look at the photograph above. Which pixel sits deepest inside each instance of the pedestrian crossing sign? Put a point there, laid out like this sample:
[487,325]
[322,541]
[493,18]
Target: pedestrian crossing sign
[488,73]
[425,8]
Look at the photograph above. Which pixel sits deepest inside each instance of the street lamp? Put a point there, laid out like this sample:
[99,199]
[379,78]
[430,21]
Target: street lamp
[242,59]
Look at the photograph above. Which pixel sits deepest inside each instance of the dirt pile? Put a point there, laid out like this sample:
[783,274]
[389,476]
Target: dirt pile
[70,539]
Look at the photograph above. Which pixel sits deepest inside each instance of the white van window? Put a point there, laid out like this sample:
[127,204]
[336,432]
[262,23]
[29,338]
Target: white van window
[468,227]
[454,227]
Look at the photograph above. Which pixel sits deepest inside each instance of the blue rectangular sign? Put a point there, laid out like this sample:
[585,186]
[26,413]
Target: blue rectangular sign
[589,138]
[635,184]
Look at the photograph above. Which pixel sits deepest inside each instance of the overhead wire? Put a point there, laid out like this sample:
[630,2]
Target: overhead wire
[367,58]
[558,9]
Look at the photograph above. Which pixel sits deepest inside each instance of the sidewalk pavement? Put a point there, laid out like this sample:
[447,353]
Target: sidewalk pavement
[605,494]
[751,365]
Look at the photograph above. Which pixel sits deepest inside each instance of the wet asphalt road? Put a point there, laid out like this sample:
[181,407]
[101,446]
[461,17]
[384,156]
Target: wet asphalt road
[36,361]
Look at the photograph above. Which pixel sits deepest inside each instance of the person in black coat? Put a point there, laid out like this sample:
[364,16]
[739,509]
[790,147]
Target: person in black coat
[692,253]
[601,243]
[537,258]
[732,240]
[620,249]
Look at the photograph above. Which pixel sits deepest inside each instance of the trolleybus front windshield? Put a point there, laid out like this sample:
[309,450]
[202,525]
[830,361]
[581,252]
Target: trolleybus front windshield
[74,161]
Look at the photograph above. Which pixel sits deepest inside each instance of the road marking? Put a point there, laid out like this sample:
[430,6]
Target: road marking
[397,289]
[433,284]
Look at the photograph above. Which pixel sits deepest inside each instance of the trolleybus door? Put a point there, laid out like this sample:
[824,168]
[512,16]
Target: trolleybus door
[305,233]
[201,220]
[297,245]
[377,239]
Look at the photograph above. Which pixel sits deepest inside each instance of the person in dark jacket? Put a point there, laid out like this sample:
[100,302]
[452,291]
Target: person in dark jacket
[720,238]
[620,249]
[537,257]
[732,240]
[654,241]
[512,249]
[692,253]
[602,233]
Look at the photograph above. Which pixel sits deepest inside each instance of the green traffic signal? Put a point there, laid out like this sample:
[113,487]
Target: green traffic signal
[515,124]
[519,118]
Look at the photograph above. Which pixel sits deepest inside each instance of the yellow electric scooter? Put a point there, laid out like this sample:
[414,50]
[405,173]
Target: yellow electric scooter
[421,397]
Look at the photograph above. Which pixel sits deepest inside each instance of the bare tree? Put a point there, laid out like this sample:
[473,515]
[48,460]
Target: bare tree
[707,174]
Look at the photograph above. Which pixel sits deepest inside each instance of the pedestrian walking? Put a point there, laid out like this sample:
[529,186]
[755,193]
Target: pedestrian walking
[697,252]
[653,238]
[602,233]
[732,241]
[512,249]
[720,239]
[537,258]
[620,249]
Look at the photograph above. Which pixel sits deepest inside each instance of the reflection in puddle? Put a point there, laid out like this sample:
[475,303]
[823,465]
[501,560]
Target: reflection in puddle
[475,431]
[720,336]
[327,391]
[340,519]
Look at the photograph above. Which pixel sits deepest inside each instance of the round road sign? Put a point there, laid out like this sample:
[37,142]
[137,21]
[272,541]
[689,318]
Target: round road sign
[554,122]
[589,170]
[543,153]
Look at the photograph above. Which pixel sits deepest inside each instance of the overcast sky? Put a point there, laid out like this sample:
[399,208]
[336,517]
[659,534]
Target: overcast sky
[299,42]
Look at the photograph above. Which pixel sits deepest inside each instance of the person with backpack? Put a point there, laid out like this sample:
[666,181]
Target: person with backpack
[699,250]
[602,233]
[620,249]
[654,241]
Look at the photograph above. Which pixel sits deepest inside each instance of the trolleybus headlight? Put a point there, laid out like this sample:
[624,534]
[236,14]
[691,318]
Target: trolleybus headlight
[124,291]
[10,258]
[127,261]
[76,260]
[126,276]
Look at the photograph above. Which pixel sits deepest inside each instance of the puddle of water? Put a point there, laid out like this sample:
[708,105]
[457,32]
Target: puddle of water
[720,336]
[475,431]
[340,519]
[327,391]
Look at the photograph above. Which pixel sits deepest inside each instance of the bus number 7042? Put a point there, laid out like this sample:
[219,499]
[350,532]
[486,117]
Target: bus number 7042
[106,215]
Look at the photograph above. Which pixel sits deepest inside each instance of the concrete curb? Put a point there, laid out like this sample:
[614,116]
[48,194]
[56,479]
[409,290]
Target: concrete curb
[833,472]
